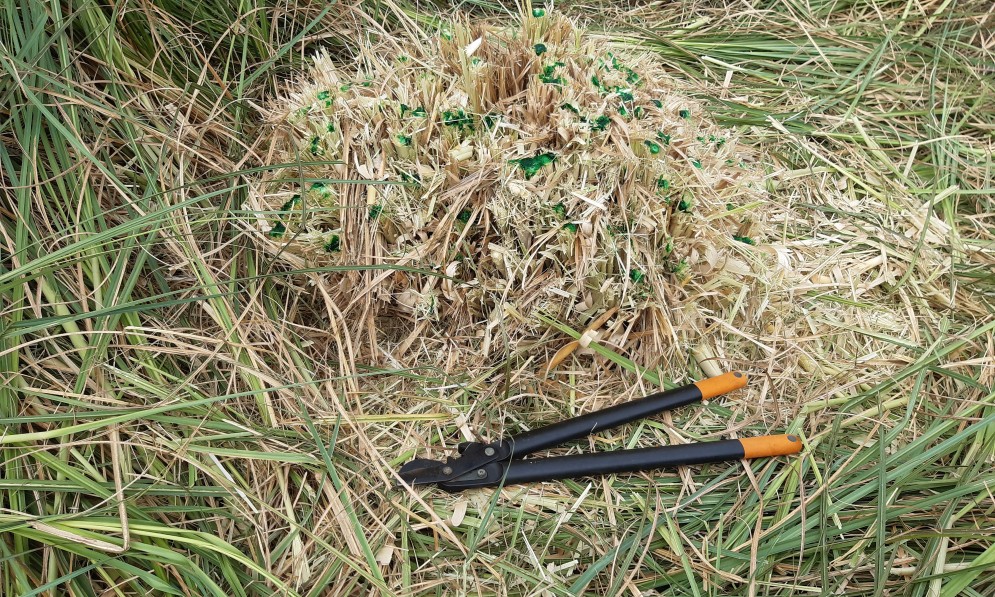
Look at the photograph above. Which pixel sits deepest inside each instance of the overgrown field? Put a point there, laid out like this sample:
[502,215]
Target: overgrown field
[240,288]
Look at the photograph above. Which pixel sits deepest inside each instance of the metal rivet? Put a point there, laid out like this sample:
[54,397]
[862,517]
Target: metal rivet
[737,374]
[792,438]
[481,473]
[447,470]
[489,451]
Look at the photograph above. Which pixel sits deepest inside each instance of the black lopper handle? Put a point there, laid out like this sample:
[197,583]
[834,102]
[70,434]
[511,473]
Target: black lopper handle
[584,425]
[624,461]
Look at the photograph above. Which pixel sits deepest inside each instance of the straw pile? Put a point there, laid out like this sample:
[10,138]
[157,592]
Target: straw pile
[524,171]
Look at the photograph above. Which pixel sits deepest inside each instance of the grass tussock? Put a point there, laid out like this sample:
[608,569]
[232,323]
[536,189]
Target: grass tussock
[193,401]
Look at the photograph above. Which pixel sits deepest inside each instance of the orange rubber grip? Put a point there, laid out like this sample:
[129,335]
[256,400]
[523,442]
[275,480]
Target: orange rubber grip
[721,384]
[770,445]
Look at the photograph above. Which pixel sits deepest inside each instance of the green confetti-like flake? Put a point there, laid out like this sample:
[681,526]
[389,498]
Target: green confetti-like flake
[601,123]
[623,111]
[561,210]
[316,148]
[404,140]
[570,107]
[531,166]
[652,146]
[639,111]
[538,13]
[464,216]
[664,137]
[291,204]
[680,268]
[657,103]
[631,77]
[458,118]
[333,244]
[696,163]
[571,227]
[744,239]
[345,87]
[684,205]
[330,127]
[636,276]
[540,49]
[685,113]
[548,74]
[278,230]
[662,183]
[323,95]
[375,211]
[624,93]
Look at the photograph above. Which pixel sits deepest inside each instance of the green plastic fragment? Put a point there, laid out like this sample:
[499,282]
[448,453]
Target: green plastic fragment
[631,78]
[333,245]
[639,111]
[657,103]
[601,123]
[490,120]
[669,248]
[375,211]
[663,137]
[744,239]
[330,127]
[531,166]
[404,108]
[410,178]
[570,226]
[561,210]
[419,112]
[540,49]
[696,163]
[289,205]
[636,275]
[475,61]
[538,13]
[458,118]
[345,87]
[571,107]
[278,230]
[653,147]
[680,268]
[548,74]
[623,111]
[684,205]
[464,216]
[662,183]
[685,113]
[323,95]
[316,148]
[625,94]
[730,207]
[404,140]
[597,82]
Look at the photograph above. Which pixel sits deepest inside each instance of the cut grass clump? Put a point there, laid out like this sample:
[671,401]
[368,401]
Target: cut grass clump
[524,128]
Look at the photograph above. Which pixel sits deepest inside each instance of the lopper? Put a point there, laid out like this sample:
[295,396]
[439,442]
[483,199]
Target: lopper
[504,461]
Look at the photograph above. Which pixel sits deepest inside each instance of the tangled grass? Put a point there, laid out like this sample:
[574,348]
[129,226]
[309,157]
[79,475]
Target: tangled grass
[195,402]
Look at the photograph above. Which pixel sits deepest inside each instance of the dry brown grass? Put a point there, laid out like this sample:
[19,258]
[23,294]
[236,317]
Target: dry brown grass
[228,419]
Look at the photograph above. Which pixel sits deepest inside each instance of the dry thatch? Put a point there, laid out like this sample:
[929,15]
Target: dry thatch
[537,171]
